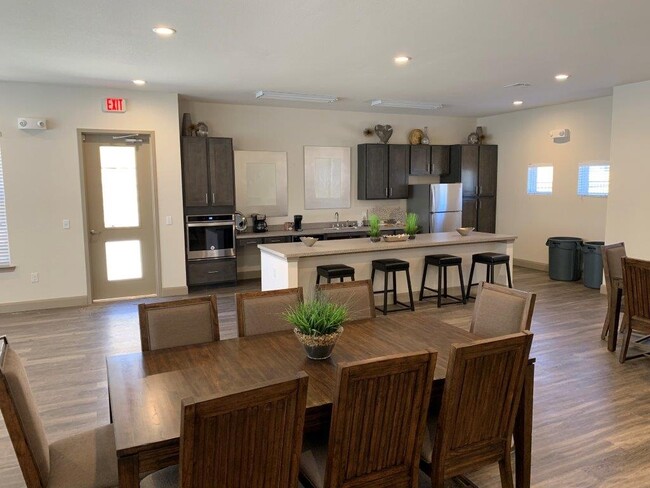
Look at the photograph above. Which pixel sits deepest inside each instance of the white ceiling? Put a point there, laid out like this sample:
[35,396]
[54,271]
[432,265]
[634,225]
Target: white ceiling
[463,51]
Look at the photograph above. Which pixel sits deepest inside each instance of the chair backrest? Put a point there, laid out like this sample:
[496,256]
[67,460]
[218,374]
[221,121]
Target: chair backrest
[260,312]
[612,255]
[178,322]
[636,282]
[501,311]
[356,295]
[480,399]
[378,418]
[22,419]
[246,439]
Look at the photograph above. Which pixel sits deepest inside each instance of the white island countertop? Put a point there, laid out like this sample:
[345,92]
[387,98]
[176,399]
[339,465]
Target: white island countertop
[296,250]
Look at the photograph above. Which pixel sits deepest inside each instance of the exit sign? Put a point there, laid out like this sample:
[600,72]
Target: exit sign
[114,105]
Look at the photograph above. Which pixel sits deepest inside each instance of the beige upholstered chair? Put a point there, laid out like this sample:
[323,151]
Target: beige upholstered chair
[246,439]
[356,295]
[260,312]
[178,322]
[612,255]
[378,417]
[86,460]
[501,311]
[479,404]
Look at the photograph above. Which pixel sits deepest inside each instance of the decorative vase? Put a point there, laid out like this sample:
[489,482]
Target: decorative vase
[425,136]
[375,239]
[318,347]
[187,124]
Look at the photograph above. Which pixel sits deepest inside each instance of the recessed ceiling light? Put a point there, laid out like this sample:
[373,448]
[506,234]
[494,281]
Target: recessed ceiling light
[518,102]
[139,82]
[406,104]
[562,77]
[518,84]
[295,97]
[164,31]
[402,59]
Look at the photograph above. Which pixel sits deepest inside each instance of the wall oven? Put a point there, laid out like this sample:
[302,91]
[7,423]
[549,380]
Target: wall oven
[210,236]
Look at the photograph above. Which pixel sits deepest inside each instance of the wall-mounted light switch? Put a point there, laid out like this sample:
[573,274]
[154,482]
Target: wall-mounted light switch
[168,220]
[66,223]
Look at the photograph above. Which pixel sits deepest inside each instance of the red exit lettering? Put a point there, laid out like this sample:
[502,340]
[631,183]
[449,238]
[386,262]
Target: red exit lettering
[114,105]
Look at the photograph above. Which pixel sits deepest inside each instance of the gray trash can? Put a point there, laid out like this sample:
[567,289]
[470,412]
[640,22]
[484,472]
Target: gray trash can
[592,275]
[564,258]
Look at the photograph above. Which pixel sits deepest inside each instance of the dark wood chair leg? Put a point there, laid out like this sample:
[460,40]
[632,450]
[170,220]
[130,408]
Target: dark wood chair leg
[408,284]
[613,329]
[424,280]
[439,301]
[625,345]
[505,470]
[394,287]
[385,293]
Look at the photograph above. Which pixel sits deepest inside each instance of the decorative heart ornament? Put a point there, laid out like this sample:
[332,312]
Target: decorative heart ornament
[384,132]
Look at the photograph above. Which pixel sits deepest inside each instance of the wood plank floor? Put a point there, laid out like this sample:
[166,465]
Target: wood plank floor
[591,424]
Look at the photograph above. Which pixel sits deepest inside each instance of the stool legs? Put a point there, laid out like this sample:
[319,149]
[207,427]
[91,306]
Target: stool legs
[469,283]
[489,276]
[462,285]
[408,283]
[384,310]
[317,279]
[509,276]
[424,280]
[443,285]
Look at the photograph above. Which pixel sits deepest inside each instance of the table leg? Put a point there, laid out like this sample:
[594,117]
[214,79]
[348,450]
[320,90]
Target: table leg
[128,468]
[523,432]
[613,327]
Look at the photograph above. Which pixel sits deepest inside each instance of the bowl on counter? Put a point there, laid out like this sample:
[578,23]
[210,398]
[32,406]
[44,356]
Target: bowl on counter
[309,241]
[395,238]
[464,231]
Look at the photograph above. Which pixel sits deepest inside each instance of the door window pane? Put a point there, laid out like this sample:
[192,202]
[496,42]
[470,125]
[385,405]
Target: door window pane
[119,186]
[123,260]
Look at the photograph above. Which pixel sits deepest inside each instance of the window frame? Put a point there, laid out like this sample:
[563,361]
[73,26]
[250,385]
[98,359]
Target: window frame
[583,184]
[5,263]
[532,183]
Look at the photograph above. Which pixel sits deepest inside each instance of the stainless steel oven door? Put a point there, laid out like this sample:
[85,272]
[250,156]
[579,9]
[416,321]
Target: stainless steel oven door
[210,240]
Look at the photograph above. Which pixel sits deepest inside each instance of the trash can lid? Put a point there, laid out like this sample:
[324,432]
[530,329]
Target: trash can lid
[565,239]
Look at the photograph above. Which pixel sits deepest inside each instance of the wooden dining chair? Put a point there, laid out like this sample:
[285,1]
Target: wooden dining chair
[260,312]
[501,311]
[378,416]
[612,255]
[178,322]
[636,282]
[479,404]
[356,295]
[85,460]
[250,438]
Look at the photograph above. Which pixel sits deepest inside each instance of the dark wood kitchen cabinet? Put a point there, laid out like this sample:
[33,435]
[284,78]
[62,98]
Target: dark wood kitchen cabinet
[429,160]
[208,175]
[475,166]
[383,171]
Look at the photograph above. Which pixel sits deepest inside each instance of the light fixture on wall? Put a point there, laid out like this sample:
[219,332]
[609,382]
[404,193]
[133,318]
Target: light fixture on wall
[560,136]
[295,97]
[406,104]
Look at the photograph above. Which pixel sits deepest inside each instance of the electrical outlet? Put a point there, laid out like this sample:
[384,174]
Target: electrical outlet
[34,277]
[66,223]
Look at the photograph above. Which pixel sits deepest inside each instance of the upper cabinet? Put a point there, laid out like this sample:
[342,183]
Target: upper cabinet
[208,175]
[475,166]
[383,171]
[429,160]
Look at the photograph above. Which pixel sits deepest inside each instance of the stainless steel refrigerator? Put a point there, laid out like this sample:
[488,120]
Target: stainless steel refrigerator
[439,206]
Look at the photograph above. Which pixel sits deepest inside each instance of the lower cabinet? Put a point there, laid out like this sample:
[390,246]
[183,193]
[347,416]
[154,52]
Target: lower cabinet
[211,272]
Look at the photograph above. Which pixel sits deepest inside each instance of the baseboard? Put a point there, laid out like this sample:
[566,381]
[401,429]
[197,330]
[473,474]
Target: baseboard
[44,304]
[524,263]
[249,275]
[173,291]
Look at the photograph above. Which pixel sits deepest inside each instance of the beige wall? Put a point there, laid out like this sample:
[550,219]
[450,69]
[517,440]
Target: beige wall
[629,198]
[523,139]
[42,179]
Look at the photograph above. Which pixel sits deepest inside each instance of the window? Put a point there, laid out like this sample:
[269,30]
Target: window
[593,180]
[540,180]
[4,235]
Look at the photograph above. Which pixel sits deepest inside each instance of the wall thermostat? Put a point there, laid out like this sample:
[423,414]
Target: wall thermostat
[31,123]
[560,134]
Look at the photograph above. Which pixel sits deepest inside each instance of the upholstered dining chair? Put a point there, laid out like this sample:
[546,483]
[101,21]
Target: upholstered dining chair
[356,295]
[500,311]
[260,312]
[85,460]
[181,322]
[249,438]
[612,255]
[479,405]
[375,435]
[636,282]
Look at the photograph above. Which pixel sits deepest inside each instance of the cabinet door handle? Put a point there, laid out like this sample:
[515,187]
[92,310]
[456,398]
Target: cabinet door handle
[391,191]
[480,190]
[429,167]
[213,198]
[213,272]
[386,192]
[206,198]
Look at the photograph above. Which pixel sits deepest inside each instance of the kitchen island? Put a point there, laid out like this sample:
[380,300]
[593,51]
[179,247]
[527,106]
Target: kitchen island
[289,265]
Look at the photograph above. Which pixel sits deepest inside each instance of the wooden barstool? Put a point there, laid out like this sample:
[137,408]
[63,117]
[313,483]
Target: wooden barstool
[490,259]
[332,271]
[442,262]
[392,266]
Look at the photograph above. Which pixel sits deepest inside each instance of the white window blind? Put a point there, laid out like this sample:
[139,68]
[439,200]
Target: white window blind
[593,180]
[4,235]
[540,180]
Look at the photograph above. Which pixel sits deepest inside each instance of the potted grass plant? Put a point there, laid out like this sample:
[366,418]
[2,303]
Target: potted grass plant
[317,325]
[374,232]
[411,225]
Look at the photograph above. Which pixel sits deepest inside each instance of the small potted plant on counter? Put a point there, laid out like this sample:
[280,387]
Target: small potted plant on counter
[374,232]
[411,225]
[317,325]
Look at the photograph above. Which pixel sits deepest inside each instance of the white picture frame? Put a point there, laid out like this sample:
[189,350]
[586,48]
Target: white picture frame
[327,177]
[261,183]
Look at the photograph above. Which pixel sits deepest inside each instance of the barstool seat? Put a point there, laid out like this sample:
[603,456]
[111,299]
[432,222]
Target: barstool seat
[392,266]
[442,262]
[490,259]
[332,271]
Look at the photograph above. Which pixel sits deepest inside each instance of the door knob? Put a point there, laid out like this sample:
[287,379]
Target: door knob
[94,232]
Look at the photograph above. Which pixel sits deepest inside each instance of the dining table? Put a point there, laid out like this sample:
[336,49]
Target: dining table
[146,388]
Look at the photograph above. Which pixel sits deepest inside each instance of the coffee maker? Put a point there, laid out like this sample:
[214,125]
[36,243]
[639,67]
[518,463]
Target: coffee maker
[259,223]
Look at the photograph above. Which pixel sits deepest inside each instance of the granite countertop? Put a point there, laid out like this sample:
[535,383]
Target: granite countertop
[348,246]
[314,231]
